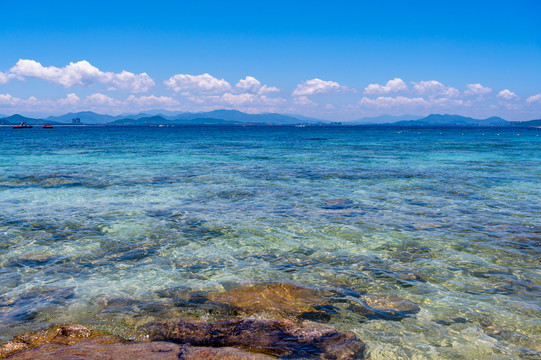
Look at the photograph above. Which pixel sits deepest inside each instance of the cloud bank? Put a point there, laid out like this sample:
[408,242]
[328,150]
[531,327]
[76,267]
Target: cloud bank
[95,102]
[313,97]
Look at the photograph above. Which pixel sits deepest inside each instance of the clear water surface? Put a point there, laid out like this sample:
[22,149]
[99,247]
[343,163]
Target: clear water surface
[446,218]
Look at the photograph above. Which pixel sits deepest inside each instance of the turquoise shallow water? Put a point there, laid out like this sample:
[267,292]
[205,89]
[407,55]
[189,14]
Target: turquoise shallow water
[446,218]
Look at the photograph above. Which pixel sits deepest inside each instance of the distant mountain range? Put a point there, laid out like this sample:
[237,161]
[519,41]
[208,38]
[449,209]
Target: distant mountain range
[155,117]
[234,117]
[534,123]
[453,120]
[87,117]
[160,120]
[457,120]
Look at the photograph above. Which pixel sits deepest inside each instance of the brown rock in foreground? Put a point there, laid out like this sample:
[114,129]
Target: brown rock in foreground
[56,334]
[272,337]
[106,348]
[222,340]
[224,353]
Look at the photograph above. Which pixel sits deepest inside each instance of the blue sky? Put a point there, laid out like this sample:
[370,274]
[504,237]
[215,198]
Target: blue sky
[337,60]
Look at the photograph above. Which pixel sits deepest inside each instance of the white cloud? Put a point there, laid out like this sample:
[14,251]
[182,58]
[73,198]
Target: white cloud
[11,103]
[96,102]
[8,100]
[4,78]
[207,91]
[387,102]
[238,99]
[151,100]
[249,84]
[70,99]
[317,86]
[534,98]
[81,73]
[202,100]
[204,83]
[135,83]
[477,90]
[413,104]
[394,85]
[446,102]
[510,106]
[132,102]
[507,95]
[250,99]
[434,88]
[99,99]
[252,85]
[303,101]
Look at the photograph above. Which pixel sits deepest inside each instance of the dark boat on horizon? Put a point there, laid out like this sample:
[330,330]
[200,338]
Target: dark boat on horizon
[47,126]
[22,126]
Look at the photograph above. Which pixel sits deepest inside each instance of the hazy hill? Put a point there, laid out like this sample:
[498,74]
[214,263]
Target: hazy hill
[240,117]
[233,116]
[211,117]
[206,121]
[529,123]
[149,120]
[16,119]
[453,120]
[307,119]
[166,114]
[87,117]
[160,120]
[215,117]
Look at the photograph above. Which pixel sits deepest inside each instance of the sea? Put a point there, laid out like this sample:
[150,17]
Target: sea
[99,225]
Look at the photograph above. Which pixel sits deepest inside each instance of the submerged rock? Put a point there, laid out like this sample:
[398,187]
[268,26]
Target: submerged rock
[456,320]
[27,305]
[384,307]
[127,253]
[34,259]
[198,301]
[52,295]
[195,229]
[272,337]
[277,299]
[45,181]
[338,204]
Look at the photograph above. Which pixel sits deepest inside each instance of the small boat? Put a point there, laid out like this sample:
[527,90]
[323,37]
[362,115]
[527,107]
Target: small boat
[22,126]
[47,126]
